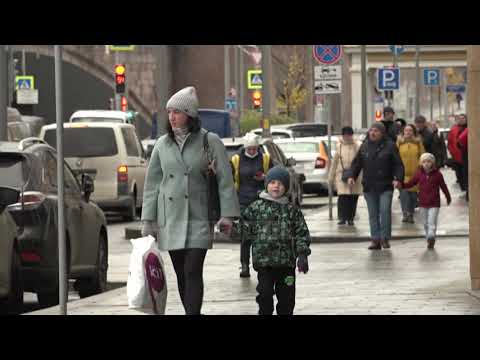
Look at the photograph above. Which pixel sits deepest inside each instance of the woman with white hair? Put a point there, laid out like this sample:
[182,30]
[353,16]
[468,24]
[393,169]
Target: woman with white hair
[249,168]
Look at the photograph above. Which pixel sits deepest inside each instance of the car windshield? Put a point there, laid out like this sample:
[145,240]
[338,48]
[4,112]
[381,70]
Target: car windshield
[85,142]
[309,131]
[299,147]
[13,170]
[96,119]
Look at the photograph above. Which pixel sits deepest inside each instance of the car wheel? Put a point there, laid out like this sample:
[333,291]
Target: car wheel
[98,283]
[14,302]
[132,210]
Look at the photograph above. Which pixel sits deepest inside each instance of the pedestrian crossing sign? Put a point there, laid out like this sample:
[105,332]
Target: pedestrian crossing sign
[24,82]
[255,80]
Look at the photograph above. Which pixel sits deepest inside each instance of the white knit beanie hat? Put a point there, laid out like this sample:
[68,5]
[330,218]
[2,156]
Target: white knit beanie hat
[185,101]
[427,156]
[251,139]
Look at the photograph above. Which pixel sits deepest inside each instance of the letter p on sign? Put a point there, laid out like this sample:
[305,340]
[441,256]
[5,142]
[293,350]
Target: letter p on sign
[431,77]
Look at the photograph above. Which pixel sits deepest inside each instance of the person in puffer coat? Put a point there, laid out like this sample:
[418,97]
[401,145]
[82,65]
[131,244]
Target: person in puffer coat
[279,236]
[410,147]
[430,181]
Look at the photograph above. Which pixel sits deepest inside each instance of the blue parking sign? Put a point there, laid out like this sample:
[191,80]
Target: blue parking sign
[388,79]
[431,77]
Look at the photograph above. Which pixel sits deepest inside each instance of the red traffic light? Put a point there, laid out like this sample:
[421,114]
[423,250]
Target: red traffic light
[120,78]
[124,103]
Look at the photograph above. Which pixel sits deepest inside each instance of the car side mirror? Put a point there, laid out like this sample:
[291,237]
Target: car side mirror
[291,162]
[87,186]
[8,196]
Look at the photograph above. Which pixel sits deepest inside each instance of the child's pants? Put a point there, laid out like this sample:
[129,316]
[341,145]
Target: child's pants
[430,216]
[278,281]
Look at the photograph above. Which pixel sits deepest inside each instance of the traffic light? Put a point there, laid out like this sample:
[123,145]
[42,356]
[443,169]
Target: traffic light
[378,115]
[124,104]
[120,78]
[257,100]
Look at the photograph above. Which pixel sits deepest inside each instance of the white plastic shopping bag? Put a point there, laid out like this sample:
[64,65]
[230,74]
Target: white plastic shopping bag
[147,284]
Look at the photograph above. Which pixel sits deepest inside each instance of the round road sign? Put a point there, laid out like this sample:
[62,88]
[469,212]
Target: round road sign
[327,54]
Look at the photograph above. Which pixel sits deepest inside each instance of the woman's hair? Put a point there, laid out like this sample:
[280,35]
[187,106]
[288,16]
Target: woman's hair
[415,133]
[193,125]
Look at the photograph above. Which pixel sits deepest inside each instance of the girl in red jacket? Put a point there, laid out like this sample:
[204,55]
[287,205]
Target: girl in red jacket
[430,181]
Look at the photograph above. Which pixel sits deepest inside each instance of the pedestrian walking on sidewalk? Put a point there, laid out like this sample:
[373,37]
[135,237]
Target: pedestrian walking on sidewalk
[388,122]
[383,171]
[249,168]
[430,181]
[463,146]
[280,241]
[410,147]
[453,136]
[439,148]
[424,132]
[347,149]
[175,203]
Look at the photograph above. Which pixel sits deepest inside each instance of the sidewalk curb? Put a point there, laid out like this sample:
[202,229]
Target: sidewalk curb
[131,233]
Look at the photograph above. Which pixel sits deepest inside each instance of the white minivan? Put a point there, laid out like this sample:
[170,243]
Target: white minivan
[100,116]
[112,154]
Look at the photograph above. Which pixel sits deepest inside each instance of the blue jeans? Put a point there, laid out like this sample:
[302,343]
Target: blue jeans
[380,214]
[408,201]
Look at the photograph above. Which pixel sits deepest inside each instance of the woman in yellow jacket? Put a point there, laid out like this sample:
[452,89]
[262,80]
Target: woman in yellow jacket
[410,147]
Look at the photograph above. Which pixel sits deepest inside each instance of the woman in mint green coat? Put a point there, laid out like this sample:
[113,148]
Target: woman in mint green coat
[175,204]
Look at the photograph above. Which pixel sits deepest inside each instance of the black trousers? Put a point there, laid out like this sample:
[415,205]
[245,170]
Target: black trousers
[465,172]
[459,172]
[188,265]
[278,281]
[245,251]
[347,207]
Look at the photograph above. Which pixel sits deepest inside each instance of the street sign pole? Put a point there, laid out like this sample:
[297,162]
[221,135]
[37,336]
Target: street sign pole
[117,96]
[3,93]
[226,63]
[329,121]
[266,87]
[431,103]
[364,87]
[62,263]
[417,69]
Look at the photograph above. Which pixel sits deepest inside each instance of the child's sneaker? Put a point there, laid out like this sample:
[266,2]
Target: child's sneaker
[431,243]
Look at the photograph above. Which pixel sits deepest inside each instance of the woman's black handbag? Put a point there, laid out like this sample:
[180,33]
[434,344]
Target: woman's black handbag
[346,173]
[212,187]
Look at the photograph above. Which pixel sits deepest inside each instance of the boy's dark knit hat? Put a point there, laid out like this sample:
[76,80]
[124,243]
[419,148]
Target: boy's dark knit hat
[278,173]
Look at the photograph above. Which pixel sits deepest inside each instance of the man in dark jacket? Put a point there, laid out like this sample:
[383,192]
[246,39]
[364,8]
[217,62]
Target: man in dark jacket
[425,133]
[383,171]
[388,122]
[439,147]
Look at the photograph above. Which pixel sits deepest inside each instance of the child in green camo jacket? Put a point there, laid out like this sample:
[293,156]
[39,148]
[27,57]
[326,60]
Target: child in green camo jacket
[280,240]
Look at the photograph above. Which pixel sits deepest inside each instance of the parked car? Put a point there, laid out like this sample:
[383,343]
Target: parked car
[312,159]
[101,116]
[113,152]
[295,193]
[30,167]
[35,124]
[148,145]
[11,283]
[18,131]
[276,133]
